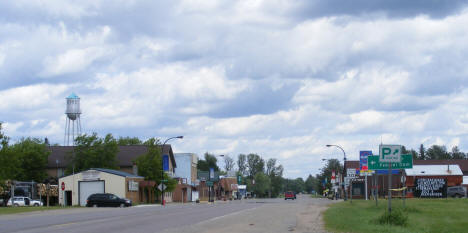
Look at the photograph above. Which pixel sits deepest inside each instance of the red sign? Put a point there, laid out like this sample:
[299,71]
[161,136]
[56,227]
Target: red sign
[63,186]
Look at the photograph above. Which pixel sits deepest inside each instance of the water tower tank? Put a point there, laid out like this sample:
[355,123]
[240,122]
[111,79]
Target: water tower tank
[73,107]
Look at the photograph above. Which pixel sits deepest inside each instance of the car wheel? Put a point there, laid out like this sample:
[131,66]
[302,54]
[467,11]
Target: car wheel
[458,195]
[122,205]
[16,205]
[36,204]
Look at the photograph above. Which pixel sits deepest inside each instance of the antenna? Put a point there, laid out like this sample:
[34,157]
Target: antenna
[73,120]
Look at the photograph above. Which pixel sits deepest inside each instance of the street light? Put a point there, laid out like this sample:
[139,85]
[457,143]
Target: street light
[162,167]
[344,167]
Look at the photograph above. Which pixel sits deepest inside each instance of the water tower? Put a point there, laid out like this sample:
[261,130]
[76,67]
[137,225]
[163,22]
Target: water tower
[73,122]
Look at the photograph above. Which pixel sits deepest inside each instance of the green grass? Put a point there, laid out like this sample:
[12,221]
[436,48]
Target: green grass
[23,209]
[424,215]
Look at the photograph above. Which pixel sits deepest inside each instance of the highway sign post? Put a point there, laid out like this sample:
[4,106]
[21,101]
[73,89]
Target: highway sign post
[376,164]
[389,153]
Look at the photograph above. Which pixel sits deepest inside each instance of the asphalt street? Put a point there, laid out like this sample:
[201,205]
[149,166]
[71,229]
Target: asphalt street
[172,218]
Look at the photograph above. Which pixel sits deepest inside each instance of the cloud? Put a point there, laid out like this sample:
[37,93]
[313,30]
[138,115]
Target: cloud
[278,78]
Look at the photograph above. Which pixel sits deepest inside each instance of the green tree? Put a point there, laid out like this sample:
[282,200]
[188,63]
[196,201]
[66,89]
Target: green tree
[255,164]
[9,164]
[261,185]
[209,162]
[150,166]
[275,173]
[437,152]
[326,172]
[422,152]
[310,184]
[127,141]
[456,153]
[32,155]
[228,163]
[242,164]
[92,151]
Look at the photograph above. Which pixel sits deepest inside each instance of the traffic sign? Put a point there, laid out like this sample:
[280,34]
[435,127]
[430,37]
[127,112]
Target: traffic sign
[63,186]
[162,187]
[390,153]
[351,172]
[209,183]
[376,164]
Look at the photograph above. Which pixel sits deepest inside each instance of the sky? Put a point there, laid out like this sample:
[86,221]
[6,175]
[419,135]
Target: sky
[280,78]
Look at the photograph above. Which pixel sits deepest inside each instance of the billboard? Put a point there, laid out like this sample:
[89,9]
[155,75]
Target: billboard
[430,188]
[363,159]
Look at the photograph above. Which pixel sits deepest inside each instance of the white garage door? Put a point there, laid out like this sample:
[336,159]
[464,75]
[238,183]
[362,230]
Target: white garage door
[89,187]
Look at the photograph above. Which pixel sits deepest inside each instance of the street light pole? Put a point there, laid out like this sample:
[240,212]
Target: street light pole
[344,169]
[162,166]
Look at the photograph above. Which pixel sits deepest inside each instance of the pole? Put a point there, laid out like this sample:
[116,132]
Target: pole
[12,194]
[351,190]
[366,185]
[376,190]
[389,187]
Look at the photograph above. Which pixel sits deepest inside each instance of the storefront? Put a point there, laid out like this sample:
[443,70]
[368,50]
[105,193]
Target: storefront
[75,189]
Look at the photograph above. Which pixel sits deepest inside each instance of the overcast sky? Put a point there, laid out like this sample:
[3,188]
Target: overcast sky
[281,78]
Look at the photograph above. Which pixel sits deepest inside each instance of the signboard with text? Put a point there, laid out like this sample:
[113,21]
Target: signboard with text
[375,164]
[390,153]
[351,172]
[430,188]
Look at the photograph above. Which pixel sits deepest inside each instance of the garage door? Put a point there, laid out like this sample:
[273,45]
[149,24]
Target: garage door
[89,187]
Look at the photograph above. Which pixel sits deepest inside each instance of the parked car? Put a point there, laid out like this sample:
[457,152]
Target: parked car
[107,200]
[456,191]
[289,195]
[24,201]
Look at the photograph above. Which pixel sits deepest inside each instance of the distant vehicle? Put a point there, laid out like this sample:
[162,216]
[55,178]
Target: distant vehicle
[24,201]
[289,195]
[456,191]
[107,200]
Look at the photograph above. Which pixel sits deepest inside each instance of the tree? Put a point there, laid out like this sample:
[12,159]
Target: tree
[261,185]
[456,153]
[32,155]
[310,184]
[422,152]
[437,152]
[94,152]
[242,164]
[326,172]
[209,162]
[228,163]
[255,164]
[9,164]
[150,166]
[127,141]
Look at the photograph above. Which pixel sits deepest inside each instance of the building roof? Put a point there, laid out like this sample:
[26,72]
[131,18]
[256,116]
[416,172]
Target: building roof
[434,170]
[463,163]
[118,173]
[73,96]
[60,156]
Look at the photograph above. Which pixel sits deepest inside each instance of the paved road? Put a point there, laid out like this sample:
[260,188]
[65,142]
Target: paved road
[271,215]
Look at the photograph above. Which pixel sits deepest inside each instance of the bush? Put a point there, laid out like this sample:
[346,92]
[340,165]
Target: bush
[396,217]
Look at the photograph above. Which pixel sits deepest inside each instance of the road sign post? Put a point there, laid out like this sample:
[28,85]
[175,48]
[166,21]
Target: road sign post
[389,188]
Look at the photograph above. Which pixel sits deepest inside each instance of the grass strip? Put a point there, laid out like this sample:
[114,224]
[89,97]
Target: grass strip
[424,215]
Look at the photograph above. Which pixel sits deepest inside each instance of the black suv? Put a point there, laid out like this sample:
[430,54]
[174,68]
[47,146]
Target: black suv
[456,191]
[107,200]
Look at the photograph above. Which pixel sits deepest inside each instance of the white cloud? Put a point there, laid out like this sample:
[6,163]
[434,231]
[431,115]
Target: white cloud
[209,69]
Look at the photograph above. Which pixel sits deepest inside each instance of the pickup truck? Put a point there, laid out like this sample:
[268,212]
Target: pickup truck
[24,201]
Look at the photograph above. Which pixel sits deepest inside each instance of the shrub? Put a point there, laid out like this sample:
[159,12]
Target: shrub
[396,217]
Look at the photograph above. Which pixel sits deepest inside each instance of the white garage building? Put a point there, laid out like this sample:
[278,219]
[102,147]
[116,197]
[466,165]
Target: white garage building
[75,189]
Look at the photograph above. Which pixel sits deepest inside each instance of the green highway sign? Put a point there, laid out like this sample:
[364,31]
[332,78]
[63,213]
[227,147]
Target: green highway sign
[209,183]
[375,164]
